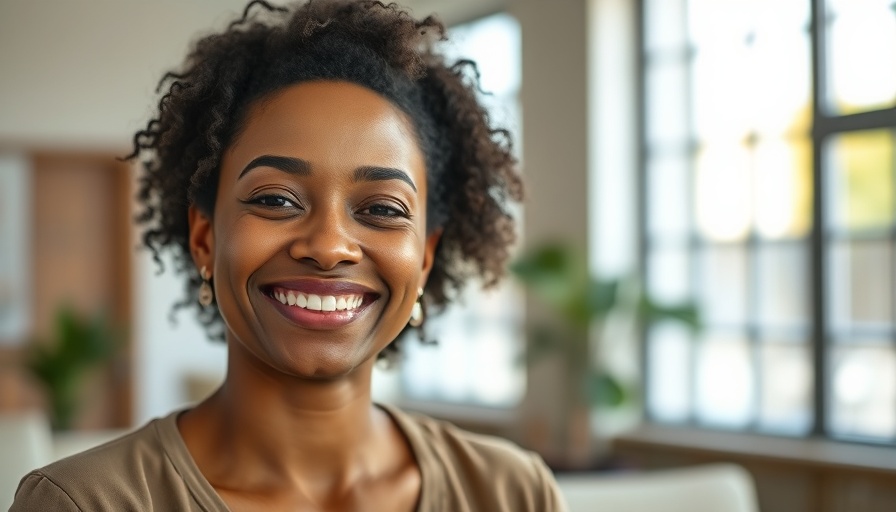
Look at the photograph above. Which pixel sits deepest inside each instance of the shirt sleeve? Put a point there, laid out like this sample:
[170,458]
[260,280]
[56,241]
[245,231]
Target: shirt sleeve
[37,493]
[552,499]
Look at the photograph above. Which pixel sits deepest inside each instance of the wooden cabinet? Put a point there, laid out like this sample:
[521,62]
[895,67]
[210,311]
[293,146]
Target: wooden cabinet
[80,225]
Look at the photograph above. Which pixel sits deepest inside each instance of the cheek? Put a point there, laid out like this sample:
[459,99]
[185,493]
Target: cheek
[400,259]
[247,243]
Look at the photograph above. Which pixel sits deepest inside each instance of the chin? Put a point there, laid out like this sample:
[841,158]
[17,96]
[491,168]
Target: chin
[324,365]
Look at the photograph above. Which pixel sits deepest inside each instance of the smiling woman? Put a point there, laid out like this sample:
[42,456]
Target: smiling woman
[323,178]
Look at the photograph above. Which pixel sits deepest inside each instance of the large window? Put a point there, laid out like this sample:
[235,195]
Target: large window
[768,199]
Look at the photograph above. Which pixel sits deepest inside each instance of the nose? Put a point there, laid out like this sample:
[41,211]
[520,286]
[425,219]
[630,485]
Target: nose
[324,239]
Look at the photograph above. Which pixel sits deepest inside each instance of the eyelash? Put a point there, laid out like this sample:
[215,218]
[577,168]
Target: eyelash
[262,199]
[391,212]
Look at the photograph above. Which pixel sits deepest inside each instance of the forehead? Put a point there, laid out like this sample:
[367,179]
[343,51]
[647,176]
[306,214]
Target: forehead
[332,125]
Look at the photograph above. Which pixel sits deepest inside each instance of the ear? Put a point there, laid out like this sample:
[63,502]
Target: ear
[429,254]
[202,239]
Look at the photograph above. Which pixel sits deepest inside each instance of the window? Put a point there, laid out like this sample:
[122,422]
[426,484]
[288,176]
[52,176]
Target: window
[768,199]
[476,360]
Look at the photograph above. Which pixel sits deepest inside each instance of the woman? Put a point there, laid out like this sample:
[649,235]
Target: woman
[320,173]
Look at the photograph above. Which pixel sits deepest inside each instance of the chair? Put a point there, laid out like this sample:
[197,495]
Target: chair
[706,488]
[25,444]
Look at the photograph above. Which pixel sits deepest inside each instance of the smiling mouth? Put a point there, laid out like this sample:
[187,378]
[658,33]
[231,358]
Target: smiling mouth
[314,302]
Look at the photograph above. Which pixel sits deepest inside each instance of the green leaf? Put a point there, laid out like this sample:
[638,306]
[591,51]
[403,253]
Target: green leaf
[550,272]
[686,312]
[605,391]
[601,296]
[78,344]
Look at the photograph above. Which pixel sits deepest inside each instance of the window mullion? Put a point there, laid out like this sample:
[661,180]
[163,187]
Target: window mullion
[817,237]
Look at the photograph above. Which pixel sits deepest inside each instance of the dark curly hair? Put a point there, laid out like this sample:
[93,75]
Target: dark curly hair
[471,171]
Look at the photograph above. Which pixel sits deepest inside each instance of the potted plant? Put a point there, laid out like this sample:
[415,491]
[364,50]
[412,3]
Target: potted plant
[76,346]
[578,306]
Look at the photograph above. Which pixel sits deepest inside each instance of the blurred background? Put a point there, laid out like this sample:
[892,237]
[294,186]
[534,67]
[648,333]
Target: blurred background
[707,262]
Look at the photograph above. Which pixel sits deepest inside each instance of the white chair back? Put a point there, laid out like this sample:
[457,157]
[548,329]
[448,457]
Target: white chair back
[707,488]
[25,444]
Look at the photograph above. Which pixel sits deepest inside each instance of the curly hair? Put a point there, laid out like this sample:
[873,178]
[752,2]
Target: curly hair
[471,170]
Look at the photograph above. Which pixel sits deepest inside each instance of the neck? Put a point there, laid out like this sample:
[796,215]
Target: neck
[288,430]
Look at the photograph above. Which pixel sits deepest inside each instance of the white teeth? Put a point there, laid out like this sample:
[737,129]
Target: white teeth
[319,302]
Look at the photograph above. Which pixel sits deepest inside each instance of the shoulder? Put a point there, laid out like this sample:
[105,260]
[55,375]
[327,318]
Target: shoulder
[118,475]
[472,450]
[490,472]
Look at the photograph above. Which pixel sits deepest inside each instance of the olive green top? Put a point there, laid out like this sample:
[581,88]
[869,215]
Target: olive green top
[151,469]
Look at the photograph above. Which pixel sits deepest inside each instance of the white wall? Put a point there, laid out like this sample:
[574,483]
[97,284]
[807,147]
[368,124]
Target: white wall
[82,72]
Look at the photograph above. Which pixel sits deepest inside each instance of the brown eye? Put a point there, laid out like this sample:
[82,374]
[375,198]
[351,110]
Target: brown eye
[272,201]
[381,210]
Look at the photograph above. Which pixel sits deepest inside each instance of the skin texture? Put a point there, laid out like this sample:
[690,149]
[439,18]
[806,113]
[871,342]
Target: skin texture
[294,414]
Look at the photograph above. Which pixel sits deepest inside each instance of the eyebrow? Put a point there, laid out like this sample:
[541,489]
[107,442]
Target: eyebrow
[373,173]
[284,163]
[301,167]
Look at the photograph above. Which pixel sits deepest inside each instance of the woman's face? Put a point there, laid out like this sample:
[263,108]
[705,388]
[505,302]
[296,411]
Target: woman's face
[318,244]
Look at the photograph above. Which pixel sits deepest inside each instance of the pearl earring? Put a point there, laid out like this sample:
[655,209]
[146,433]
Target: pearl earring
[206,295]
[417,312]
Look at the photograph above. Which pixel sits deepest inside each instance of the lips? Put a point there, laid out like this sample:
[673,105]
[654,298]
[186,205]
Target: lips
[320,304]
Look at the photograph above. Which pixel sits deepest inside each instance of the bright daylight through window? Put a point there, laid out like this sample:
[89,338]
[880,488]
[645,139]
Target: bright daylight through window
[768,175]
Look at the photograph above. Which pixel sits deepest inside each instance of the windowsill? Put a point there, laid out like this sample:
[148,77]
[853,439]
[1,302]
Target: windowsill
[812,452]
[494,417]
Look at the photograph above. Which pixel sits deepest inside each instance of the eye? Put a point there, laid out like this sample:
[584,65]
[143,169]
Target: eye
[383,213]
[272,201]
[383,210]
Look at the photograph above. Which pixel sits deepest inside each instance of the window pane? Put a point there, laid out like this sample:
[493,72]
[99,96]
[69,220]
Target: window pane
[723,87]
[863,391]
[720,24]
[783,198]
[669,372]
[667,119]
[783,285]
[725,380]
[860,167]
[782,76]
[723,192]
[495,382]
[861,49]
[668,274]
[475,358]
[664,23]
[667,202]
[786,383]
[861,284]
[723,285]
